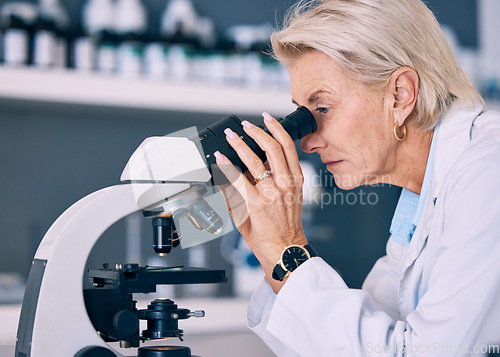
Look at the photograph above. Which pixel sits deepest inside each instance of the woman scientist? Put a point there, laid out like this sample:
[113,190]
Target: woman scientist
[392,106]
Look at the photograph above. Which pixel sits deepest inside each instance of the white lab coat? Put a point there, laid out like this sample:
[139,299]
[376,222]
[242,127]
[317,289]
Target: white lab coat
[439,296]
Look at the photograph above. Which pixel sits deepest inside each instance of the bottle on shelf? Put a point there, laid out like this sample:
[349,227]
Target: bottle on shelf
[245,60]
[179,27]
[16,19]
[208,62]
[154,59]
[155,53]
[249,62]
[83,53]
[44,43]
[241,38]
[50,36]
[99,40]
[130,25]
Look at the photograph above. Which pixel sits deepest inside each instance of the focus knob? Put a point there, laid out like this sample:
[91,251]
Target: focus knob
[126,322]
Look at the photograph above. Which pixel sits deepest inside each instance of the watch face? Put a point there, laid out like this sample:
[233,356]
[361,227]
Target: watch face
[293,256]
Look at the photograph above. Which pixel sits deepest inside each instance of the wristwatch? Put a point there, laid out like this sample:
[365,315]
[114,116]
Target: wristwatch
[291,257]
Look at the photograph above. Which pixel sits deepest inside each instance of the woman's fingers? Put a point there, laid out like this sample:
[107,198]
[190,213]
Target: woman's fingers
[275,157]
[235,177]
[250,159]
[236,205]
[289,149]
[285,184]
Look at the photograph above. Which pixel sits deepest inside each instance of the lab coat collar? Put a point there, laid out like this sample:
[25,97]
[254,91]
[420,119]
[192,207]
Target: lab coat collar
[453,136]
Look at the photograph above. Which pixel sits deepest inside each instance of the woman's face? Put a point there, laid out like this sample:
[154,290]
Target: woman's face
[354,136]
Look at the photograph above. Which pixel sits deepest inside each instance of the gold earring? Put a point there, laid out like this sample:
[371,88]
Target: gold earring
[403,128]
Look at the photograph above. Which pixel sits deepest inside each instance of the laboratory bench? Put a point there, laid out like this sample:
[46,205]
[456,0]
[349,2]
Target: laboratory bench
[223,332]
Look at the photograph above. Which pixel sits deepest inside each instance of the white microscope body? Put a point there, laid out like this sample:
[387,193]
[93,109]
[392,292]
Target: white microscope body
[54,321]
[168,176]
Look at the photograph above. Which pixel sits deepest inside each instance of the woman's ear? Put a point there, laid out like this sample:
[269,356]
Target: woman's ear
[403,90]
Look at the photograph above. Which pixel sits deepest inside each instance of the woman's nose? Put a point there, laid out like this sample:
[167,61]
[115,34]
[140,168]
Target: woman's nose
[312,143]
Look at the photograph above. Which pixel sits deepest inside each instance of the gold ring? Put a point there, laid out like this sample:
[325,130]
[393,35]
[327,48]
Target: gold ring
[262,176]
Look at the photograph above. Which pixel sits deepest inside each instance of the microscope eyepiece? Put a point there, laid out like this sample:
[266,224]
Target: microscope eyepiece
[297,124]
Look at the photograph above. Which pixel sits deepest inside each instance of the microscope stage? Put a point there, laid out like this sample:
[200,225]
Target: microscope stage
[135,279]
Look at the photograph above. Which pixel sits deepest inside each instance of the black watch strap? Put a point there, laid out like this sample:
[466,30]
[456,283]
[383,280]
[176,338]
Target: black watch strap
[311,251]
[279,273]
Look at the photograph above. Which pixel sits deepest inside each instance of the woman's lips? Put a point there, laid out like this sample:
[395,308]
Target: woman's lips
[333,164]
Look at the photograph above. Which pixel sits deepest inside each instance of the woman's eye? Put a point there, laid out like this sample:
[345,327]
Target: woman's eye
[322,110]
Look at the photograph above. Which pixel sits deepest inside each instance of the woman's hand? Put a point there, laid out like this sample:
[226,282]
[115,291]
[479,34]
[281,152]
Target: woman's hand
[267,213]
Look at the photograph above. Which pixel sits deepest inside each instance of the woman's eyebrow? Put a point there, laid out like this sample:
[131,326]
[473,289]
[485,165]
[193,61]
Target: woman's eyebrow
[314,96]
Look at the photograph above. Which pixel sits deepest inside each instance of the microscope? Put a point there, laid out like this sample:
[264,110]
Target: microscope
[171,180]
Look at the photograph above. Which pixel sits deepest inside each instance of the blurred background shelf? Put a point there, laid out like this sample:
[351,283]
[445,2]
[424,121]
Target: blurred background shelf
[67,87]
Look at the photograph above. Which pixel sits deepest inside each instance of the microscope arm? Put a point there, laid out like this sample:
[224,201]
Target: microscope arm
[54,321]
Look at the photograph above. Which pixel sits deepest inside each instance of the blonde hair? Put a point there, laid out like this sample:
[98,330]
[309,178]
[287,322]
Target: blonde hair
[370,39]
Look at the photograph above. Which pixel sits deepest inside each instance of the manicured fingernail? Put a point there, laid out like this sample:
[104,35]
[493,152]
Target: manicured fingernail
[267,116]
[219,156]
[230,133]
[246,124]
